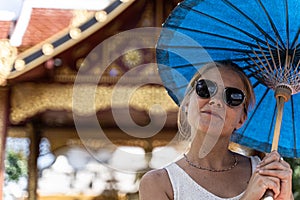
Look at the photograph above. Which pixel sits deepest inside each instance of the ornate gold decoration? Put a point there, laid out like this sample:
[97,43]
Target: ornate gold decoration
[132,142]
[101,16]
[75,33]
[90,143]
[29,99]
[81,63]
[19,65]
[80,16]
[8,54]
[111,75]
[48,49]
[133,58]
[64,74]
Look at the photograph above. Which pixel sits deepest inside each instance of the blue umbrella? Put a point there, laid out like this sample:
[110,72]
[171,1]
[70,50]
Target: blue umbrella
[262,37]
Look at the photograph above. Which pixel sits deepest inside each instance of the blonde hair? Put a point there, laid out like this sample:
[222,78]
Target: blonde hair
[183,125]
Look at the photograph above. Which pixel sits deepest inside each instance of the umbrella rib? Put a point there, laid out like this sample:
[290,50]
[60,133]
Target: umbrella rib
[294,124]
[287,66]
[272,23]
[255,73]
[212,48]
[216,35]
[183,66]
[287,24]
[251,68]
[244,59]
[256,84]
[201,63]
[293,57]
[249,64]
[259,67]
[278,54]
[230,49]
[273,60]
[297,66]
[258,73]
[253,65]
[270,68]
[296,80]
[247,17]
[223,22]
[256,107]
[296,38]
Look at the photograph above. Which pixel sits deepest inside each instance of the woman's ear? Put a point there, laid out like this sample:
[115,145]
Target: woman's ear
[243,118]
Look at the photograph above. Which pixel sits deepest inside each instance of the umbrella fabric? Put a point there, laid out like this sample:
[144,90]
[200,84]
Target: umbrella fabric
[261,36]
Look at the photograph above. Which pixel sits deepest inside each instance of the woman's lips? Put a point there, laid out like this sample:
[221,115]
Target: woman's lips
[213,113]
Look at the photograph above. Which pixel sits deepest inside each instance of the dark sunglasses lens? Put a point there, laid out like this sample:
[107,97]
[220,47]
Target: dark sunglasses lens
[234,96]
[205,88]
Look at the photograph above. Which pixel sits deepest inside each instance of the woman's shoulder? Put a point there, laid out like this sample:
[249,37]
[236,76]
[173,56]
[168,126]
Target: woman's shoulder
[250,160]
[156,182]
[155,175]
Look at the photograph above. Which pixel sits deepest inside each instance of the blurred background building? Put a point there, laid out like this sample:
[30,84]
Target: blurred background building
[43,47]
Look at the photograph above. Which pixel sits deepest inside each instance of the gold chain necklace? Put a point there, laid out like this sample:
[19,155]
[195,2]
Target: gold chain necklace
[212,170]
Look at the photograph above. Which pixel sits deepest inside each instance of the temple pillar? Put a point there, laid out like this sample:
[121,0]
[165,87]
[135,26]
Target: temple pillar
[4,112]
[35,138]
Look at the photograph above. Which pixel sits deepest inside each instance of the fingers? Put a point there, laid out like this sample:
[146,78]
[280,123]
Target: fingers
[273,160]
[275,174]
[259,184]
[274,156]
[284,174]
[274,166]
[271,183]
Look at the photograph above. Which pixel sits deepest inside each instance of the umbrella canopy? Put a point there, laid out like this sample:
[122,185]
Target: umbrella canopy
[262,37]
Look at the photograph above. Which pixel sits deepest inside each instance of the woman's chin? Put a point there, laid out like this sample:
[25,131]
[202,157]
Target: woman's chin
[211,128]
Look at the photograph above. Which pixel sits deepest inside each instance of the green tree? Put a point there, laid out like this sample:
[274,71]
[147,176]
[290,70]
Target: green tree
[295,165]
[15,165]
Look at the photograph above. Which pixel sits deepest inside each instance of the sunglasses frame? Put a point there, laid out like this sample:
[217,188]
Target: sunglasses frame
[216,90]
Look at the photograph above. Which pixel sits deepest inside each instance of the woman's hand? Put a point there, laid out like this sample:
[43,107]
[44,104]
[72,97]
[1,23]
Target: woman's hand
[274,166]
[272,173]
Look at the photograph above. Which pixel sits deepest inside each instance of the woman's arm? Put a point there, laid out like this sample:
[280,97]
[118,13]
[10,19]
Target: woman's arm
[155,185]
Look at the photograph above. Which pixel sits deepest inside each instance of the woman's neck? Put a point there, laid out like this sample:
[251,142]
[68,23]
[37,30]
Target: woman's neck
[210,150]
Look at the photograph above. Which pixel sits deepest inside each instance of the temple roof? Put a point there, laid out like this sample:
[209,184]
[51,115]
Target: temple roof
[34,31]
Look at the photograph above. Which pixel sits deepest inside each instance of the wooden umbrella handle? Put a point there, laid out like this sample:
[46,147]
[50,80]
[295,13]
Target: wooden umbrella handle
[269,194]
[280,103]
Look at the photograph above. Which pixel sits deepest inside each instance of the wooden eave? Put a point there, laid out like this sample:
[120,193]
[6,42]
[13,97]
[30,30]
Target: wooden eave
[33,57]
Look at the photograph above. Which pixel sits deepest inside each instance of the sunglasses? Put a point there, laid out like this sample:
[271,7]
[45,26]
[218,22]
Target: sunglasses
[231,96]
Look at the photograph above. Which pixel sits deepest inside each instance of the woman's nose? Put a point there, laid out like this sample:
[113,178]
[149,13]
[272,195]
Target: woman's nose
[215,102]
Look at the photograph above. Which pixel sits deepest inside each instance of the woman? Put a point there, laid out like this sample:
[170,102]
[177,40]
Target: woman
[215,105]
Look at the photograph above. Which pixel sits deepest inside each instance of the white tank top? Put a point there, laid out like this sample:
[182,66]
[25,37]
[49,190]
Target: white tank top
[185,188]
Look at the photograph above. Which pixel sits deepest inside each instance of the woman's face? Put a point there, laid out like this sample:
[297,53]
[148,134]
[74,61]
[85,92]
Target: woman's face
[213,115]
